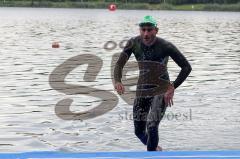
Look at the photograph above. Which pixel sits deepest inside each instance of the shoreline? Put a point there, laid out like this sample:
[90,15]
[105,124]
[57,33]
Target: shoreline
[126,6]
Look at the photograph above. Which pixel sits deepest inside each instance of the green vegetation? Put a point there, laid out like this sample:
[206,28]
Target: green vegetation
[206,5]
[209,7]
[190,7]
[217,7]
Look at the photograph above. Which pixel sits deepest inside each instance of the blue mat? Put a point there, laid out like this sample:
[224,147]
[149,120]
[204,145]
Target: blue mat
[124,155]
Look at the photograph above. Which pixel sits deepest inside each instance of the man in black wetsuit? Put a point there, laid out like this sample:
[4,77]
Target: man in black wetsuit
[154,89]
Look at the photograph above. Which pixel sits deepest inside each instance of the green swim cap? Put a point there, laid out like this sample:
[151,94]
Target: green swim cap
[148,20]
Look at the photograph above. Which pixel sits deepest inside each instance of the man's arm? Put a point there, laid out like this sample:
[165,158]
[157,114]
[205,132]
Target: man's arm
[123,58]
[182,62]
[186,68]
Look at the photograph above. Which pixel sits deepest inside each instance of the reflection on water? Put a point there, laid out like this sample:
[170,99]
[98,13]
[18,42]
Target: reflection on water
[210,40]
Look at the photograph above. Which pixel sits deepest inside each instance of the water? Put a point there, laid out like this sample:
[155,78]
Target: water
[205,115]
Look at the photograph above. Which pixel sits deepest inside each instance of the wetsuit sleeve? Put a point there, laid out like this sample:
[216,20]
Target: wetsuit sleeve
[123,58]
[181,61]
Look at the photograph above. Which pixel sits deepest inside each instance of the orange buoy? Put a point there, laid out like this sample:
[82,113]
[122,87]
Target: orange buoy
[55,45]
[112,7]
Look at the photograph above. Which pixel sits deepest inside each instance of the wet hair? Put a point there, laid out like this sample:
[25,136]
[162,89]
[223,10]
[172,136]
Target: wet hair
[146,24]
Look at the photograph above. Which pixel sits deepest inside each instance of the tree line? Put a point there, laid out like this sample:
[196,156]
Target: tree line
[173,2]
[195,1]
[166,1]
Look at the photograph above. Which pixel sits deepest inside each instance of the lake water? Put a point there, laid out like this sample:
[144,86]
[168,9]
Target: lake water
[205,115]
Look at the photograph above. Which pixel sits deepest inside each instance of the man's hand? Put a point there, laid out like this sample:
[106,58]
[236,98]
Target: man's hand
[168,96]
[119,87]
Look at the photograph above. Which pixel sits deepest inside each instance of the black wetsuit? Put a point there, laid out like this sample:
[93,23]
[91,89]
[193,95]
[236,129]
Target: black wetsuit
[149,110]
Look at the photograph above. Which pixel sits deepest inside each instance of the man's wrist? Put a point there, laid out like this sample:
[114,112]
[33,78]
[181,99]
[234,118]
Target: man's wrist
[172,84]
[117,82]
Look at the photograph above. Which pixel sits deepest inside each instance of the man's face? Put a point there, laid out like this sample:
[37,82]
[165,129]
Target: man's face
[148,34]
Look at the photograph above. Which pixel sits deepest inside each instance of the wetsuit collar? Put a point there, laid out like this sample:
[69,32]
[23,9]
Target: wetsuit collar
[153,42]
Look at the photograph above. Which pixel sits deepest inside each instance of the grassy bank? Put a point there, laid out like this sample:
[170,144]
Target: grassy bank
[146,6]
[209,7]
